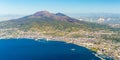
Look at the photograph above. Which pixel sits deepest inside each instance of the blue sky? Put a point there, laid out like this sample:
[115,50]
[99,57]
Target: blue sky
[64,6]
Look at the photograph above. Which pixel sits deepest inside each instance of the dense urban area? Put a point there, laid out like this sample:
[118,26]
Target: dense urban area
[92,40]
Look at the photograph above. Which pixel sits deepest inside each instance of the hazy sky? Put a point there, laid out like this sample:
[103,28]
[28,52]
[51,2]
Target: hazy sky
[65,6]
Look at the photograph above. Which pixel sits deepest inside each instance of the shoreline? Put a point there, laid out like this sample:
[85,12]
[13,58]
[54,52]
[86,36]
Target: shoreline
[38,39]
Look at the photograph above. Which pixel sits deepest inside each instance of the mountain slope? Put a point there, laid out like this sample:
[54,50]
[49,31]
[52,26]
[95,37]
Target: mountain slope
[45,20]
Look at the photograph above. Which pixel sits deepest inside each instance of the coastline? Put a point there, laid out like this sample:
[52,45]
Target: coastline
[54,39]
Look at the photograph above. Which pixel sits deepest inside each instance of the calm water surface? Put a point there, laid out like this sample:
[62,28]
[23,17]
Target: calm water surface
[29,49]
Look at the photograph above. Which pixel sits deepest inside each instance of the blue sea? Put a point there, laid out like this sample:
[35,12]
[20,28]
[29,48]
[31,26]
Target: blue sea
[29,49]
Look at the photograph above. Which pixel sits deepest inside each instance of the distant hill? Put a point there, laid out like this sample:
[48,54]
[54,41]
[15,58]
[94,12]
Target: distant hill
[106,18]
[8,17]
[44,20]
